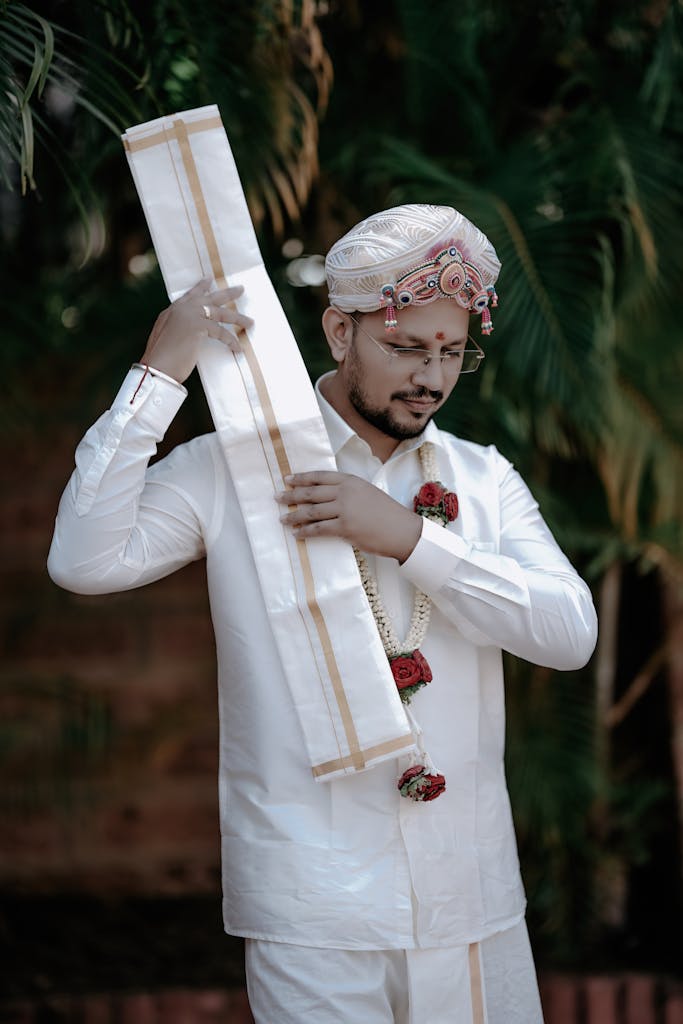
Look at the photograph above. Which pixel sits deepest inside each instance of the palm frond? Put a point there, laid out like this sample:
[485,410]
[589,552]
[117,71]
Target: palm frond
[35,53]
[17,133]
[641,466]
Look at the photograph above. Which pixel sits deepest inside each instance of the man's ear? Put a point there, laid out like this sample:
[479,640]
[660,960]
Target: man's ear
[338,328]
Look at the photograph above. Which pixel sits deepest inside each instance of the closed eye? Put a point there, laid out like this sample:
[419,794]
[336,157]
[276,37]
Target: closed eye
[449,354]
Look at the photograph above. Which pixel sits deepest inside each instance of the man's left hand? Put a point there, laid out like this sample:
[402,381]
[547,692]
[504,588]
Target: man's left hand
[341,505]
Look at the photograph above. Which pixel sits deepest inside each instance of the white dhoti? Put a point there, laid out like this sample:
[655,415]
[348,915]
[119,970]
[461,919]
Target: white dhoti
[269,426]
[487,982]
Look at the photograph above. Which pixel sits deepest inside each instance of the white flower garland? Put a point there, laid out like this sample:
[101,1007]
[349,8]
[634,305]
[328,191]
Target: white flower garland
[422,605]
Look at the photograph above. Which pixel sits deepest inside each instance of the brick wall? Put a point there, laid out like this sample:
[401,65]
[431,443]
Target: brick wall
[611,999]
[108,716]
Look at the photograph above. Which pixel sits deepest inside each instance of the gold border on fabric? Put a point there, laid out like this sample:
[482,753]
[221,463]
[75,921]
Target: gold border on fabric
[181,134]
[356,757]
[160,137]
[379,750]
[476,985]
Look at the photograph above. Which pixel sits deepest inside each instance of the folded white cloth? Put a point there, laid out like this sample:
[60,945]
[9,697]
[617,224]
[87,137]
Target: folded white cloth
[267,418]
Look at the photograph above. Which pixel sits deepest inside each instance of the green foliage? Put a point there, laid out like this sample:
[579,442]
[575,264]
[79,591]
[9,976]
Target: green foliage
[35,54]
[26,42]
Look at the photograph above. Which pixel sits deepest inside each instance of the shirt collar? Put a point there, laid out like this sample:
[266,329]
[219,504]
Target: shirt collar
[340,433]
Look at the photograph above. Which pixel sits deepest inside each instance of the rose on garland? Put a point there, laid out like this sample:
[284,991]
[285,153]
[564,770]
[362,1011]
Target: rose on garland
[417,783]
[411,672]
[450,505]
[435,502]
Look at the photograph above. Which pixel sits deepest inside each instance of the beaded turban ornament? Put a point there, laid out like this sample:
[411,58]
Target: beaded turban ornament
[411,255]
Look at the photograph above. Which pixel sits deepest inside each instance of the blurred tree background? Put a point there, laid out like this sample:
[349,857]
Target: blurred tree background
[557,128]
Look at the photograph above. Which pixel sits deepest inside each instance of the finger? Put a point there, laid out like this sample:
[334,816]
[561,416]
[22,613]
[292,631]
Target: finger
[200,288]
[223,295]
[314,479]
[238,321]
[306,515]
[322,528]
[226,336]
[308,495]
[232,316]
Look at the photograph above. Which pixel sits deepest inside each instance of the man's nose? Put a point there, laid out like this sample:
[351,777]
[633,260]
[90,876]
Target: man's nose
[429,374]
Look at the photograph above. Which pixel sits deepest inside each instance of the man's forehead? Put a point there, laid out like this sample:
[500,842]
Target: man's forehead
[441,320]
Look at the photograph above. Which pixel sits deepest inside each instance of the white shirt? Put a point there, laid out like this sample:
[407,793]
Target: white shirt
[347,863]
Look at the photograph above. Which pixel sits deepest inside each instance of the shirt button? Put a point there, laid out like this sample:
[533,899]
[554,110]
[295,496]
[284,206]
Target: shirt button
[157,401]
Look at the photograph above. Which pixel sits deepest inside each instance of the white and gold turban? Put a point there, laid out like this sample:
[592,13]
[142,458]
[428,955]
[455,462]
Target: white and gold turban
[409,255]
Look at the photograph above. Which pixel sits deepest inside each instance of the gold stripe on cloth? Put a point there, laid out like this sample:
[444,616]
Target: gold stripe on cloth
[370,754]
[476,985]
[161,137]
[356,756]
[181,134]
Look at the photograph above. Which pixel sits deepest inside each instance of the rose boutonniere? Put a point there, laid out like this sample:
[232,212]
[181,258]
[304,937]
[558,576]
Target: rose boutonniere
[411,672]
[435,502]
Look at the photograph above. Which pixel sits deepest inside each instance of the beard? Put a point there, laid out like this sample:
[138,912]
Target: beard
[383,418]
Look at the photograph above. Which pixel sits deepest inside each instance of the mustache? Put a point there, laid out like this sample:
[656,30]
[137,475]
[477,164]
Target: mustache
[419,395]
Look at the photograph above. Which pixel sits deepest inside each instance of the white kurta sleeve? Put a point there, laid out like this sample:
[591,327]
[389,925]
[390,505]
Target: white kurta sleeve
[526,598]
[121,525]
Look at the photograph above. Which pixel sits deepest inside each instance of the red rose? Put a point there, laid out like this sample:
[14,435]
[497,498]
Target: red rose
[418,785]
[409,774]
[423,665]
[434,786]
[406,671]
[450,505]
[430,494]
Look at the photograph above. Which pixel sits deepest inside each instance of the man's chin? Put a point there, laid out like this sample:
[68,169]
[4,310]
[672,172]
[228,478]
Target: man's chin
[406,429]
[401,424]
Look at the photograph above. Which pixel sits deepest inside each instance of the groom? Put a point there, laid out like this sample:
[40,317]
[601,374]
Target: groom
[392,896]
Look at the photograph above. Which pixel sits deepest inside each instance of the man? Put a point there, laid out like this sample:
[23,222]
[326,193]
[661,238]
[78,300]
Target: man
[358,906]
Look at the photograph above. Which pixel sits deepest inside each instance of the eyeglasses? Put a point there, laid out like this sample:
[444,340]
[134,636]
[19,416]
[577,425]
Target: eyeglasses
[460,360]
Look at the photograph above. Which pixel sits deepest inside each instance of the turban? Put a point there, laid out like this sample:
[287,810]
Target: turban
[411,255]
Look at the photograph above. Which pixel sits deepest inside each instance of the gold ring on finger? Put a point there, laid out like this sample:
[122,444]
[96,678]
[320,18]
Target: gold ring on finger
[207,312]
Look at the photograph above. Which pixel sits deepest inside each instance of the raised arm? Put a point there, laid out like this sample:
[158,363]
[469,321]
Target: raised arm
[120,524]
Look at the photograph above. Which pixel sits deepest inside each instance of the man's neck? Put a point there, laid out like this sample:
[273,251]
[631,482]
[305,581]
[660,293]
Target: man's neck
[381,444]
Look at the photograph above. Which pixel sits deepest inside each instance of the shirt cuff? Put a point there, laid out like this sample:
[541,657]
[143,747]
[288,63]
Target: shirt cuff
[159,373]
[151,397]
[434,558]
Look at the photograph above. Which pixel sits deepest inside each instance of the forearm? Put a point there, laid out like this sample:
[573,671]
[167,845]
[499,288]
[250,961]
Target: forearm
[98,545]
[534,606]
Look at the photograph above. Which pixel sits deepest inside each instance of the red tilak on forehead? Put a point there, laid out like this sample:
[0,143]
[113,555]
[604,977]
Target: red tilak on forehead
[440,335]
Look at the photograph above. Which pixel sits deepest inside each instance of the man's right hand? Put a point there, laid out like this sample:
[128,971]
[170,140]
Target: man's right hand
[174,342]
